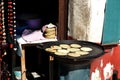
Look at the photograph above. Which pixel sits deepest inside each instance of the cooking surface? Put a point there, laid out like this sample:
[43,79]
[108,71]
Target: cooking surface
[97,50]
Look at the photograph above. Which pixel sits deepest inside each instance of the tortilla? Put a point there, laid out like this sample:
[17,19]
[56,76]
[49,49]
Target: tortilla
[82,52]
[60,54]
[73,54]
[64,45]
[56,47]
[63,51]
[50,50]
[86,49]
[75,45]
[73,49]
[50,29]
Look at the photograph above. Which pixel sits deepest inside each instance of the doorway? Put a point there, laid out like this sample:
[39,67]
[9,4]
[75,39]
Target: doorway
[55,11]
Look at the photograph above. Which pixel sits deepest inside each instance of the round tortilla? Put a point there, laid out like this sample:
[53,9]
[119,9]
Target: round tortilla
[64,45]
[60,54]
[50,50]
[63,51]
[56,47]
[82,52]
[73,54]
[86,49]
[73,49]
[75,45]
[50,29]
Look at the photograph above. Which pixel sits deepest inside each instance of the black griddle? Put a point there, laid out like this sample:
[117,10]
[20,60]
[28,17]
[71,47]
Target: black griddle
[97,51]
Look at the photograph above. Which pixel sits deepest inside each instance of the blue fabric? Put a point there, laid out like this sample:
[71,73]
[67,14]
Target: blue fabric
[111,29]
[19,30]
[80,74]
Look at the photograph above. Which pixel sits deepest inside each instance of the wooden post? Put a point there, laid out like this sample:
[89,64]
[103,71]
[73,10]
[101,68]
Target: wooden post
[62,22]
[23,64]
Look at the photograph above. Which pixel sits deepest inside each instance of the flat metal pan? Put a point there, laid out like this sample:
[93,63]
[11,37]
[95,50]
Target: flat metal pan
[97,51]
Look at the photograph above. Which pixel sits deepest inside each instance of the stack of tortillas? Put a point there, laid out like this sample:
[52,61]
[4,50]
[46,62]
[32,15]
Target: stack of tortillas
[50,31]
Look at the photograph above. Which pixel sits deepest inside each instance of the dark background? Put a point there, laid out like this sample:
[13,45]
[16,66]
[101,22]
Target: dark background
[47,9]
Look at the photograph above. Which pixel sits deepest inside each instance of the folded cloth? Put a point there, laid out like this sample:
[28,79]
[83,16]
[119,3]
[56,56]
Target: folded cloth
[32,36]
[21,41]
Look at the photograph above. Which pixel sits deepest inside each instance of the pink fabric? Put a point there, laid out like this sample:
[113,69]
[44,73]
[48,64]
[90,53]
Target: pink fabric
[44,28]
[30,36]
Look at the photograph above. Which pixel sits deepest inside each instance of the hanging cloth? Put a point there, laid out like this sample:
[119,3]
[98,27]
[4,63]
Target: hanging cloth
[111,28]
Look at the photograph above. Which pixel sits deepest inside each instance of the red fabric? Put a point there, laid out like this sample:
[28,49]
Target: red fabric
[115,59]
[97,64]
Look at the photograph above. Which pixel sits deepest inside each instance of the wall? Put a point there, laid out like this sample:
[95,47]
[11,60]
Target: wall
[85,19]
[78,19]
